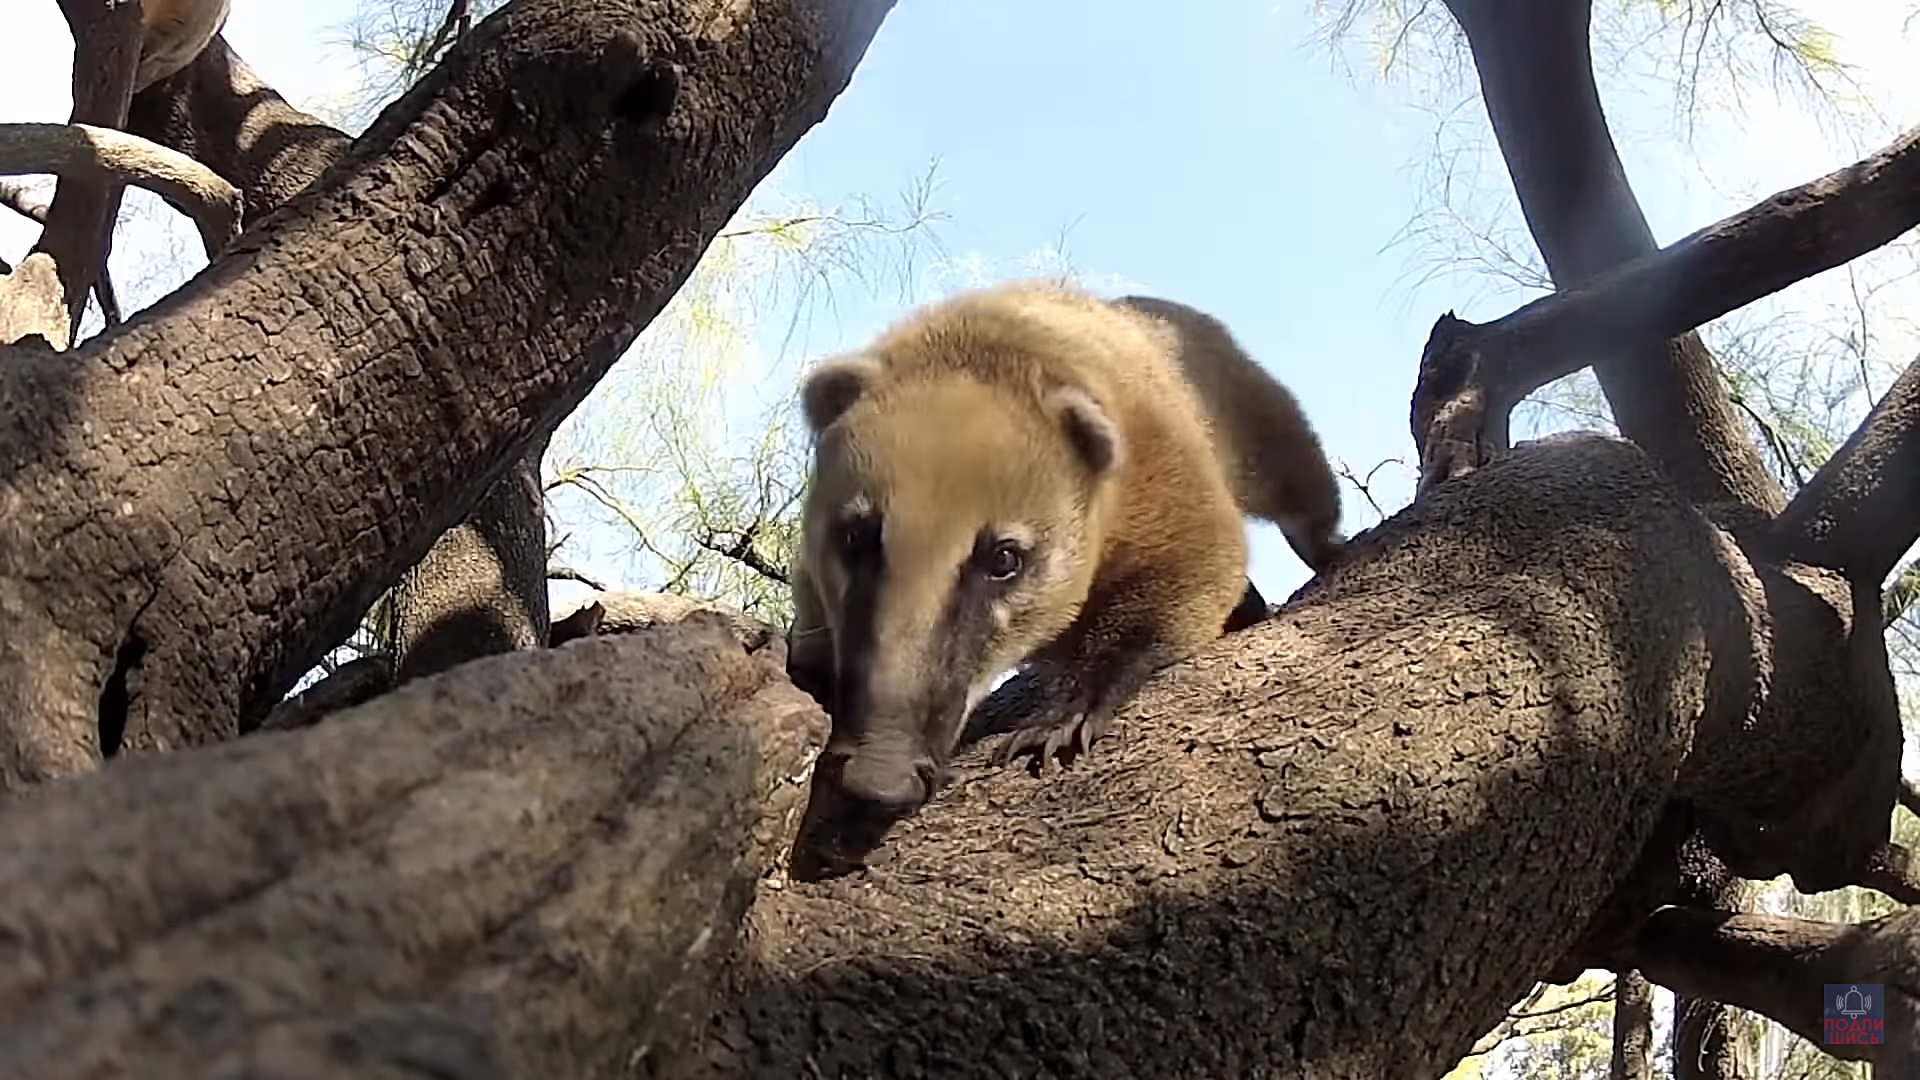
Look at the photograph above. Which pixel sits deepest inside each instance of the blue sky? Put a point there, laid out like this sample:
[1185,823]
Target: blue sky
[1225,157]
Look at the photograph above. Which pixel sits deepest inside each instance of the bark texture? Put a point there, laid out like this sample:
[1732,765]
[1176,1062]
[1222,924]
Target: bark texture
[1632,1027]
[1535,64]
[537,873]
[482,589]
[533,876]
[1768,963]
[203,500]
[1499,686]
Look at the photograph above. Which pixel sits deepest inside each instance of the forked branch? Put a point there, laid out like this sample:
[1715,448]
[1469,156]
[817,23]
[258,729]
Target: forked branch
[1472,376]
[99,155]
[1776,966]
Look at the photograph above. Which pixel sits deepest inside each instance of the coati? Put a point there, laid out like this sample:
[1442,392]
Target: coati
[1031,473]
[173,33]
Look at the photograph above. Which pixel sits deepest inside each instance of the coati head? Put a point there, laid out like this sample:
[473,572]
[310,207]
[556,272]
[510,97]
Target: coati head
[952,526]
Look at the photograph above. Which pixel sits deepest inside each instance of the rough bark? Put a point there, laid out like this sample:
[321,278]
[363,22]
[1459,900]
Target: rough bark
[1503,685]
[1632,1027]
[1471,376]
[1706,1038]
[1268,859]
[1535,65]
[482,589]
[1773,965]
[532,877]
[356,371]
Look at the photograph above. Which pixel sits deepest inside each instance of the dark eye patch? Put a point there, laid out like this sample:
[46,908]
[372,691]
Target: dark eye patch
[859,538]
[999,559]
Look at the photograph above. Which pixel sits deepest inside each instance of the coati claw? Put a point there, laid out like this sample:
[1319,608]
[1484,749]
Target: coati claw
[1067,738]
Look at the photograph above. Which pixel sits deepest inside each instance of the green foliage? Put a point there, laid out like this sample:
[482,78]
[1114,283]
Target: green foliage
[667,447]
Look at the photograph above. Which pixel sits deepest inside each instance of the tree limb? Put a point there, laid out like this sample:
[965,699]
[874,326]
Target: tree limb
[741,550]
[354,682]
[1534,62]
[534,876]
[98,155]
[221,114]
[79,228]
[1275,818]
[1472,376]
[568,573]
[1776,966]
[612,139]
[1861,512]
[15,198]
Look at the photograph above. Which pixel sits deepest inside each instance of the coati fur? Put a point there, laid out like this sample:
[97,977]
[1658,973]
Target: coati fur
[1029,473]
[172,34]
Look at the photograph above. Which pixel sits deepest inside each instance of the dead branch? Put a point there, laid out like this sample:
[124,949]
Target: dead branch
[741,550]
[98,155]
[15,197]
[568,573]
[1775,966]
[535,875]
[79,228]
[1861,512]
[357,681]
[1471,376]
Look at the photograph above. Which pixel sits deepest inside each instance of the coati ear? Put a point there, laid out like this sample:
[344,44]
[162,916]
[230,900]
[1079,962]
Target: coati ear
[832,387]
[1088,427]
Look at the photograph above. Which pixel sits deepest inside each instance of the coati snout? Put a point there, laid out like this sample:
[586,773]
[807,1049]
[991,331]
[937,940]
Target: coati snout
[942,562]
[1030,473]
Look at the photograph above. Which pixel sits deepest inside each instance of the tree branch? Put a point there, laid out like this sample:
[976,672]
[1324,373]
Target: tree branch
[568,573]
[15,198]
[354,682]
[1775,966]
[400,365]
[98,155]
[1861,512]
[741,550]
[534,876]
[79,229]
[1472,376]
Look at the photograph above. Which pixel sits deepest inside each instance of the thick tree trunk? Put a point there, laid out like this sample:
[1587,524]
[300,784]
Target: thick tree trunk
[1632,1027]
[201,502]
[1535,66]
[483,588]
[1270,858]
[538,873]
[532,875]
[1499,689]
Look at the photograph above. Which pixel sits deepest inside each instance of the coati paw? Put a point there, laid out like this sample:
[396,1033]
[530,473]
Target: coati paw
[1067,737]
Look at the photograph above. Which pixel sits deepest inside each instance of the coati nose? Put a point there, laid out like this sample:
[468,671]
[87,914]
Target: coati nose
[897,785]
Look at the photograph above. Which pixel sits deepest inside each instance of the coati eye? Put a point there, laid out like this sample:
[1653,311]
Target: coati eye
[1003,561]
[859,537]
